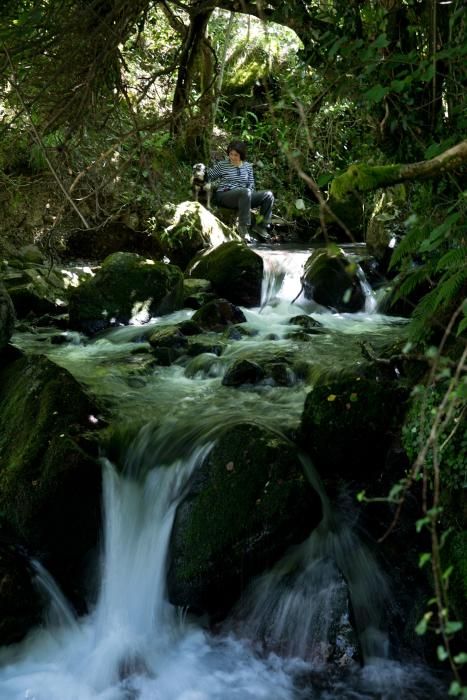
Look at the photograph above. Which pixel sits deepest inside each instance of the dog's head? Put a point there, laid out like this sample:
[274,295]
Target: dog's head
[199,171]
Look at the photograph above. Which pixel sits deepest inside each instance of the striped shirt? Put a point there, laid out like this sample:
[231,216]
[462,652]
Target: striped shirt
[232,176]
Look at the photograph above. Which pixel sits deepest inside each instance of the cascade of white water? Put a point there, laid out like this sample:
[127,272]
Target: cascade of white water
[59,612]
[134,644]
[302,605]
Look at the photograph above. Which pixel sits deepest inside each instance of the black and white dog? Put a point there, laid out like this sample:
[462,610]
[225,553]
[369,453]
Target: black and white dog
[200,186]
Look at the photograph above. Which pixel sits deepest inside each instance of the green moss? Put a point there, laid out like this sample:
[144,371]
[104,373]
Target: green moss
[456,556]
[251,483]
[125,284]
[363,178]
[44,416]
[235,271]
[423,409]
[347,423]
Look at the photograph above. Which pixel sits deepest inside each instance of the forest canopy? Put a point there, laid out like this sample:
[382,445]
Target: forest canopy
[354,115]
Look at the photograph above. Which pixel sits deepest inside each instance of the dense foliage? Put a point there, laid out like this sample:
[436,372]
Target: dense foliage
[106,103]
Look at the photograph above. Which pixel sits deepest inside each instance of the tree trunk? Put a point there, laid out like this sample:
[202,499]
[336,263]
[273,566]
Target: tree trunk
[366,178]
[186,126]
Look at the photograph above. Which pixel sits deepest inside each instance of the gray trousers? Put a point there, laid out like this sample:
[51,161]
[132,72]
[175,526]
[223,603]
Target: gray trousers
[243,199]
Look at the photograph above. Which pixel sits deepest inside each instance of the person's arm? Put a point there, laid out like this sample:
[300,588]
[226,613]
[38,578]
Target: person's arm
[214,172]
[251,178]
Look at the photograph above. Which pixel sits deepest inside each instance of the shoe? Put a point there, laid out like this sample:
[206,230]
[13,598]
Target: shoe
[261,232]
[243,230]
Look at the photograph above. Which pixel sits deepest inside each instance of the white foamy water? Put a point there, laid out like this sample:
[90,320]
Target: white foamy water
[134,645]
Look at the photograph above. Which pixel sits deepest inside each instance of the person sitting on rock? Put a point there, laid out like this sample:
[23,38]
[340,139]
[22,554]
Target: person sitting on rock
[236,190]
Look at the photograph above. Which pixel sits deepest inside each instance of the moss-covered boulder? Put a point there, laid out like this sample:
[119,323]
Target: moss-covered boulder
[183,230]
[35,288]
[7,317]
[126,286]
[247,503]
[348,423]
[217,314]
[50,479]
[332,280]
[196,292]
[235,271]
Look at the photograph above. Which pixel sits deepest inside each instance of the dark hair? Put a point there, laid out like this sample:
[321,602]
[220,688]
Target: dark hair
[239,146]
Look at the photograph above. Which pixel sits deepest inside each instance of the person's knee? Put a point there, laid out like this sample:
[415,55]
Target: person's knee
[244,193]
[268,195]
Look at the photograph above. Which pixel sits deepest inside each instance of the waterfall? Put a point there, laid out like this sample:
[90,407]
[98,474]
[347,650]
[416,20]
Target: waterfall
[303,605]
[58,612]
[281,279]
[313,626]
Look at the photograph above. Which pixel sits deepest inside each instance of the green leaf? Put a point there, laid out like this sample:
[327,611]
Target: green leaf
[380,42]
[462,326]
[441,653]
[461,658]
[375,94]
[439,232]
[453,626]
[424,558]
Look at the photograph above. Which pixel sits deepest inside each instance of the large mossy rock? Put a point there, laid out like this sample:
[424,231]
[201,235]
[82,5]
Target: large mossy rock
[331,280]
[183,230]
[50,478]
[348,424]
[247,503]
[235,271]
[34,288]
[218,314]
[126,286]
[7,317]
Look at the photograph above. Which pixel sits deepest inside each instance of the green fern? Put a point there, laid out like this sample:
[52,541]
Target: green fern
[411,282]
[450,286]
[408,246]
[455,258]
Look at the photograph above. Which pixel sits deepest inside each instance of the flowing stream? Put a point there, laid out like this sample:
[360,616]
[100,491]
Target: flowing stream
[133,643]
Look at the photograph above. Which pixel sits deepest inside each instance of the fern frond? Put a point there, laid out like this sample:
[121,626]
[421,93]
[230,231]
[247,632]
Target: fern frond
[455,258]
[411,282]
[408,246]
[450,286]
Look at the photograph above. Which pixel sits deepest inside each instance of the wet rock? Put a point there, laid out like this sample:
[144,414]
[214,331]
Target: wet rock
[197,292]
[235,271]
[168,344]
[243,372]
[238,332]
[218,314]
[126,286]
[204,344]
[31,254]
[331,280]
[347,423]
[306,323]
[168,337]
[50,478]
[247,503]
[7,317]
[189,328]
[204,365]
[183,230]
[34,289]
[280,373]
